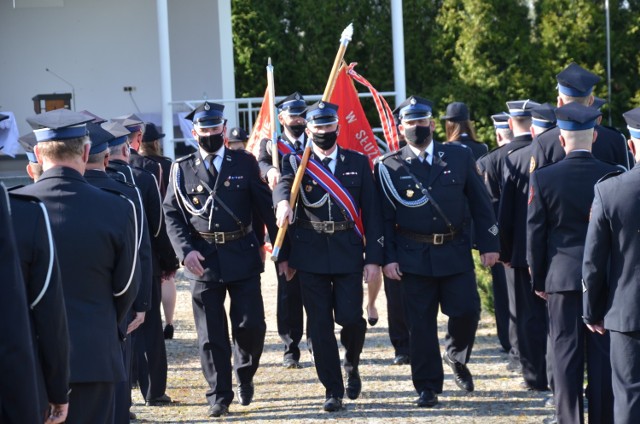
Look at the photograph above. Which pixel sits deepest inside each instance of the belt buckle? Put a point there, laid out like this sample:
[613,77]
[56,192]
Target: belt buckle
[218,238]
[328,227]
[438,239]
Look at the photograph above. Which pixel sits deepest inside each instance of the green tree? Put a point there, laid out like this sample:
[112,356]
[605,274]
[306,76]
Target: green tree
[485,44]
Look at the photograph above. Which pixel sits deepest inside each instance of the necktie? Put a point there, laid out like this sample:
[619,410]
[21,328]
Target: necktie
[325,162]
[212,167]
[423,158]
[297,145]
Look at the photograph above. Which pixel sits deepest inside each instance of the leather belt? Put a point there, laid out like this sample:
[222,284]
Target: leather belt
[436,239]
[328,227]
[224,237]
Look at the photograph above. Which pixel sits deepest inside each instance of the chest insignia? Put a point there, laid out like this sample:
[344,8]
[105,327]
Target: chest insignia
[195,201]
[199,189]
[308,188]
[227,183]
[410,193]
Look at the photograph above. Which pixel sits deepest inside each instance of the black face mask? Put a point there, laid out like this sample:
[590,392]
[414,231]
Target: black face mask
[417,135]
[211,143]
[296,130]
[325,141]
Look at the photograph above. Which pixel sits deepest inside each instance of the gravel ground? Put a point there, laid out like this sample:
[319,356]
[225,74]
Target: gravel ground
[387,394]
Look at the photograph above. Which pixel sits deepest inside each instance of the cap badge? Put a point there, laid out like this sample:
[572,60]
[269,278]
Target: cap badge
[297,96]
[413,101]
[206,106]
[321,105]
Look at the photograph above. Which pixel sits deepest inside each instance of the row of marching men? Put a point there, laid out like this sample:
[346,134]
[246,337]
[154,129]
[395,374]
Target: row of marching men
[565,254]
[93,246]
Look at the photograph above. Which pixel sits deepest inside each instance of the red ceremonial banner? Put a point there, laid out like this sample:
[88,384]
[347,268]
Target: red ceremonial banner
[355,131]
[261,127]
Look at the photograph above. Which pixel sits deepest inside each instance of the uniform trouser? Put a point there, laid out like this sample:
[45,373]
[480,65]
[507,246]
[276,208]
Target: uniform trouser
[247,329]
[326,296]
[625,366]
[532,331]
[150,349]
[514,352]
[566,336]
[91,403]
[458,298]
[398,328]
[290,316]
[501,305]
[122,389]
[599,389]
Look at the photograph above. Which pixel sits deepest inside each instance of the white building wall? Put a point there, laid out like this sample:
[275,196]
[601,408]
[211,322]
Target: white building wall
[101,47]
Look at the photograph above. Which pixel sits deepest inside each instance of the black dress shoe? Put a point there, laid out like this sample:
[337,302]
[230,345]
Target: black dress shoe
[372,321]
[159,401]
[245,393]
[333,404]
[354,384]
[168,332]
[291,364]
[401,360]
[461,374]
[427,399]
[218,410]
[132,416]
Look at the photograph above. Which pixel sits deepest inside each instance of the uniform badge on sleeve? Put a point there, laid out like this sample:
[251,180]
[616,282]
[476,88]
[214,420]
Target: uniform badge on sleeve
[381,241]
[532,165]
[478,170]
[494,230]
[584,287]
[530,195]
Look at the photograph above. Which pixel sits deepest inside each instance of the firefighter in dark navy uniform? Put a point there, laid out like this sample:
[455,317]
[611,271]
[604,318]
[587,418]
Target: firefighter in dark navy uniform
[17,363]
[560,196]
[327,249]
[531,321]
[459,129]
[95,238]
[211,199]
[610,276]
[290,311]
[428,190]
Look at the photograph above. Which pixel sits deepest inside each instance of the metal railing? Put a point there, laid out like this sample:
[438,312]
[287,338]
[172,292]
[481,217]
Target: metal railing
[247,109]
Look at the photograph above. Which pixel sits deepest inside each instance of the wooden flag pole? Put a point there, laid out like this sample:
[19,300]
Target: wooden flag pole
[345,38]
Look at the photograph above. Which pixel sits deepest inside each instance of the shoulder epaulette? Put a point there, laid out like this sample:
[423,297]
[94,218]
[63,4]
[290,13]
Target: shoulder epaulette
[189,156]
[21,196]
[388,155]
[610,175]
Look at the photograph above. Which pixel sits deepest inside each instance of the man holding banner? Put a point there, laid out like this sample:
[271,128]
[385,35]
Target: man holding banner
[290,313]
[337,210]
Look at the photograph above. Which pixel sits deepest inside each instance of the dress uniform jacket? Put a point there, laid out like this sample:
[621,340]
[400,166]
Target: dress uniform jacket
[154,167]
[340,252]
[560,198]
[95,242]
[44,295]
[513,202]
[190,211]
[490,165]
[264,156]
[559,202]
[610,146]
[612,292]
[454,183]
[17,364]
[102,180]
[165,164]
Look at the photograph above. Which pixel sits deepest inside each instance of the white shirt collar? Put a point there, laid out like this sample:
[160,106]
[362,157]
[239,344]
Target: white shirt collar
[429,151]
[218,160]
